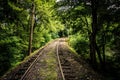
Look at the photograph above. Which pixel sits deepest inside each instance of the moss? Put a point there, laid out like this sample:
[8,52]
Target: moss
[49,71]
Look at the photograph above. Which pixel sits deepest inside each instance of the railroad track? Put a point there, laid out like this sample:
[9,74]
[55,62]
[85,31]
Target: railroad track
[66,69]
[30,70]
[23,71]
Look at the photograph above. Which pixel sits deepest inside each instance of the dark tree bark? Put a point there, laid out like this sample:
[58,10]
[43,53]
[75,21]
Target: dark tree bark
[31,28]
[103,48]
[93,44]
[92,49]
[93,33]
[99,55]
[104,44]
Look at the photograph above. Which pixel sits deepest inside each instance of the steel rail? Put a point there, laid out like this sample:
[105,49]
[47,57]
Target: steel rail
[27,71]
[59,62]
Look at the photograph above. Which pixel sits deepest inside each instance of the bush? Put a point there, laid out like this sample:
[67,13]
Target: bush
[12,51]
[80,44]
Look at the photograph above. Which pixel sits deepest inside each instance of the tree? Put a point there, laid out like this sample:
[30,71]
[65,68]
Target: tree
[76,15]
[16,18]
[31,27]
[93,33]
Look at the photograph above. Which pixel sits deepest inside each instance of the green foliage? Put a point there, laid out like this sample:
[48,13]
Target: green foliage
[80,44]
[116,44]
[47,25]
[15,26]
[12,51]
[52,22]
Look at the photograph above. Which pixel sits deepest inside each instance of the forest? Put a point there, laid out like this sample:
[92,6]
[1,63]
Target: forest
[91,26]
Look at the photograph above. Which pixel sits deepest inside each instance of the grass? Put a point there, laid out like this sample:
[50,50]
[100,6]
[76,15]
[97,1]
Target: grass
[49,70]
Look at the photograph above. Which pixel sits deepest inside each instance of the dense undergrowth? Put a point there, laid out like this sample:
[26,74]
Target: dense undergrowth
[14,50]
[80,44]
[92,30]
[111,70]
[15,25]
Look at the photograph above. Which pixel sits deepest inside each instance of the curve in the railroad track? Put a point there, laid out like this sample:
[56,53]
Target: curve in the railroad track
[64,64]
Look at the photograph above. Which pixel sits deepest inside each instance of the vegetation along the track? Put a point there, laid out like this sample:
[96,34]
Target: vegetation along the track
[83,36]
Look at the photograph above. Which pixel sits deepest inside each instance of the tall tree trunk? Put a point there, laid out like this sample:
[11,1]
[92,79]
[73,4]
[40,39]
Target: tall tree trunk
[103,49]
[92,49]
[31,28]
[93,33]
[104,44]
[99,55]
